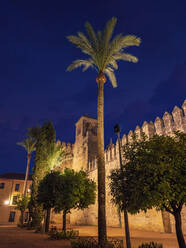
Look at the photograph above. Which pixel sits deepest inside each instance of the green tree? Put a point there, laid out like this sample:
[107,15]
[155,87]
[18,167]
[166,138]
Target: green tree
[103,52]
[22,205]
[45,137]
[29,145]
[48,192]
[155,173]
[55,156]
[76,191]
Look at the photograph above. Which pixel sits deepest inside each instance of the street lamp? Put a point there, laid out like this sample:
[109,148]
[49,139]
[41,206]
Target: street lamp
[117,130]
[6,202]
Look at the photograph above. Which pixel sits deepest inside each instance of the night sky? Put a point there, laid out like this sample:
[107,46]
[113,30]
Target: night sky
[34,55]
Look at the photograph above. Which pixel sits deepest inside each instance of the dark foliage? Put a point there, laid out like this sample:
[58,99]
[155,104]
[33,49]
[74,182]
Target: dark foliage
[45,137]
[151,245]
[154,175]
[68,234]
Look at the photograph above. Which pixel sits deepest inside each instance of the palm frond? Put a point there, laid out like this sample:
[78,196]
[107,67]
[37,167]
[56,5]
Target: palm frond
[103,50]
[92,36]
[28,144]
[120,42]
[107,34]
[21,144]
[126,56]
[74,39]
[90,63]
[80,62]
[116,45]
[109,29]
[85,40]
[112,62]
[110,73]
[99,37]
[130,40]
[56,156]
[80,43]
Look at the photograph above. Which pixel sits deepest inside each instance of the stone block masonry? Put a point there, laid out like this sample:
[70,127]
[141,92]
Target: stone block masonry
[84,157]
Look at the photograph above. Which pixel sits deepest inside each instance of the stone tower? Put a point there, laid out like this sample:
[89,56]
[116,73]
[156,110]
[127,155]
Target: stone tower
[85,147]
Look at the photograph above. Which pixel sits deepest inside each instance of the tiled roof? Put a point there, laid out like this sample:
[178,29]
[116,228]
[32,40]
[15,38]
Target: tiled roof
[14,175]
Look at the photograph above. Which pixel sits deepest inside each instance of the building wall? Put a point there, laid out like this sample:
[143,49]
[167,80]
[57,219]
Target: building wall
[152,220]
[7,194]
[84,153]
[85,147]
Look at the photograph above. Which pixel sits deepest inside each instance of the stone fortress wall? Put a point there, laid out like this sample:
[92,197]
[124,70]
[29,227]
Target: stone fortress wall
[84,157]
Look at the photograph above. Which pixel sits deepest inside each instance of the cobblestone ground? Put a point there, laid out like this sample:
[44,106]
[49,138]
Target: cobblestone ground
[13,237]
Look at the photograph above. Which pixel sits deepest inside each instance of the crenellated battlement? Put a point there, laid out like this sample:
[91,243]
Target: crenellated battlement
[167,125]
[176,121]
[68,146]
[85,157]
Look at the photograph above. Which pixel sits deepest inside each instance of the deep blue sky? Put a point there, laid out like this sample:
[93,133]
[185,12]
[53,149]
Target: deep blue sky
[34,55]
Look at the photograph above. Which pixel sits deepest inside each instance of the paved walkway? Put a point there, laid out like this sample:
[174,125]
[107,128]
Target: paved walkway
[13,237]
[137,237]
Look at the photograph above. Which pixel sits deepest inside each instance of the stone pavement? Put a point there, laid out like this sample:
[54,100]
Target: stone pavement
[137,237]
[13,237]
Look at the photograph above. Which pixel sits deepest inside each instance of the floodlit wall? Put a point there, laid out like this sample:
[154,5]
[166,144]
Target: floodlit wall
[6,199]
[152,220]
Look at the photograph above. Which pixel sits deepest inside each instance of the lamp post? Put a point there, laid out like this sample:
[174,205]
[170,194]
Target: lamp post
[127,233]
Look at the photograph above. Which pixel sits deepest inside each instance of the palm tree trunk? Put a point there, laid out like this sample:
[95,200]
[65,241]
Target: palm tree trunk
[27,171]
[64,220]
[102,235]
[179,233]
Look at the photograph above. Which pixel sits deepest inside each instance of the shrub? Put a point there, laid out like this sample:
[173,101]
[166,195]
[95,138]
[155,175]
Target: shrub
[93,243]
[85,243]
[68,234]
[21,225]
[39,229]
[151,245]
[25,225]
[53,229]
[30,227]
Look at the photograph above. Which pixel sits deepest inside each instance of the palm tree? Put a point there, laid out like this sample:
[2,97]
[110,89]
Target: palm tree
[104,53]
[29,145]
[55,156]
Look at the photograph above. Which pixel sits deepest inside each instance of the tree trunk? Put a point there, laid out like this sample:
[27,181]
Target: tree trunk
[179,233]
[27,171]
[64,220]
[47,223]
[22,218]
[102,235]
[119,216]
[127,233]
